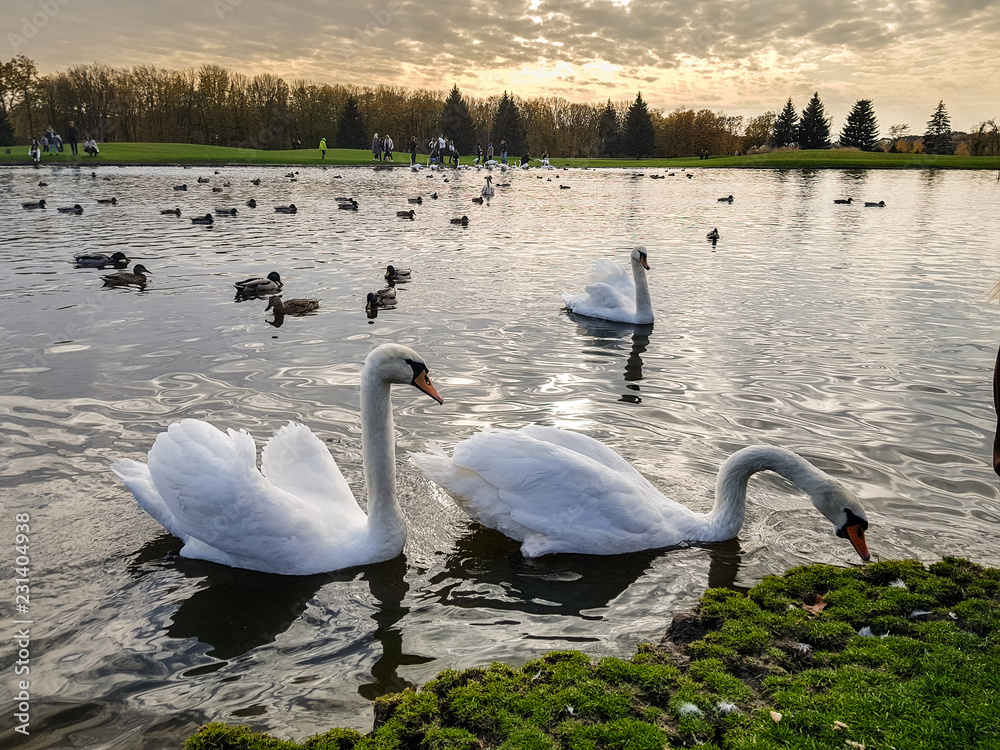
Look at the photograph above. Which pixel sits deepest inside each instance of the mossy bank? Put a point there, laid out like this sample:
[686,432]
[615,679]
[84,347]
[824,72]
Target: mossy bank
[164,154]
[889,655]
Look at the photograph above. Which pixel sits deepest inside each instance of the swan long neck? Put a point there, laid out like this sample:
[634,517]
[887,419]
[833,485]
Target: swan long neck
[726,518]
[378,455]
[643,304]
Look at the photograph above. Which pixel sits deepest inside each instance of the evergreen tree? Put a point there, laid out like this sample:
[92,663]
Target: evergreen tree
[351,130]
[786,126]
[638,136]
[609,132]
[508,126]
[814,127]
[861,128]
[457,123]
[6,128]
[937,138]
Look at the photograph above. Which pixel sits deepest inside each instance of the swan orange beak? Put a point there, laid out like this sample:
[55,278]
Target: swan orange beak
[644,263]
[424,383]
[857,536]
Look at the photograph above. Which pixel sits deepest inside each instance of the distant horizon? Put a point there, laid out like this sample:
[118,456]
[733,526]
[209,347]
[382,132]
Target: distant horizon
[739,61]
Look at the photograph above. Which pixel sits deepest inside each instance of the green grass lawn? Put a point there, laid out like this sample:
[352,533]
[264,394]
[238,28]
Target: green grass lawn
[888,655]
[183,153]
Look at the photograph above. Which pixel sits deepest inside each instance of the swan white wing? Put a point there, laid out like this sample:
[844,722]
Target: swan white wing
[136,477]
[599,300]
[614,275]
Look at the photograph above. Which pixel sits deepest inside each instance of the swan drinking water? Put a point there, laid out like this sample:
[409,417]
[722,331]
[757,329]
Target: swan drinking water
[558,491]
[612,295]
[296,514]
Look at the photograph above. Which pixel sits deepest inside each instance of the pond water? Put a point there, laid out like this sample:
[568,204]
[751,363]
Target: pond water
[858,337]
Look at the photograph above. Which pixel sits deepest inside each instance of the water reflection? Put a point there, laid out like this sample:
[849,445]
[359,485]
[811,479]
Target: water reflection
[608,334]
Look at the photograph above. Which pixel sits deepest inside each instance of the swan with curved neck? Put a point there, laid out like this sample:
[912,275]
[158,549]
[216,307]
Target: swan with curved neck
[295,515]
[558,491]
[612,295]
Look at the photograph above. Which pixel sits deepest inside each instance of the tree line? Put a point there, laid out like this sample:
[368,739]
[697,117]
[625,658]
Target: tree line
[215,106]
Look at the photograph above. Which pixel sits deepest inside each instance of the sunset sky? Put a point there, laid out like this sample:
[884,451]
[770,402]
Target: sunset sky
[741,58]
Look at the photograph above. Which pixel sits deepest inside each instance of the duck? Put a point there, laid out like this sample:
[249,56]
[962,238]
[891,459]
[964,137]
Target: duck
[251,203]
[411,214]
[206,219]
[382,298]
[174,211]
[434,196]
[226,212]
[291,306]
[464,221]
[397,274]
[36,204]
[295,515]
[561,187]
[260,285]
[227,184]
[180,187]
[845,201]
[289,209]
[348,205]
[202,180]
[871,204]
[137,277]
[108,201]
[76,208]
[612,295]
[216,190]
[727,199]
[479,200]
[418,200]
[42,184]
[100,260]
[255,181]
[714,234]
[559,491]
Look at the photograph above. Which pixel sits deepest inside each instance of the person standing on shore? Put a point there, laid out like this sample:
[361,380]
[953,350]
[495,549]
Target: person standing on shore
[376,147]
[503,152]
[413,150]
[388,147]
[73,135]
[322,148]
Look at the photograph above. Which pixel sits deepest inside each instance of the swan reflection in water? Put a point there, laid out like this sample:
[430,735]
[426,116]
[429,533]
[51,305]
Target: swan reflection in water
[237,610]
[608,334]
[569,585]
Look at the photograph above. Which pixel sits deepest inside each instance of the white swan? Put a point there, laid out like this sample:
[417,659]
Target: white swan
[612,295]
[488,188]
[558,491]
[296,515]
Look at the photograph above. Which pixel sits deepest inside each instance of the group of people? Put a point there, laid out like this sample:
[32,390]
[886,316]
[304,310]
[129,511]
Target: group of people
[52,143]
[485,156]
[382,148]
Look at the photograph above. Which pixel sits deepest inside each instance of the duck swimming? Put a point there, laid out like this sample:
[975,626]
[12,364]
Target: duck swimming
[727,199]
[259,285]
[100,260]
[397,274]
[180,187]
[464,221]
[206,219]
[174,211]
[411,214]
[289,209]
[844,201]
[76,208]
[226,211]
[291,306]
[137,277]
[36,204]
[418,200]
[382,298]
[348,205]
[713,235]
[252,203]
[108,201]
[870,204]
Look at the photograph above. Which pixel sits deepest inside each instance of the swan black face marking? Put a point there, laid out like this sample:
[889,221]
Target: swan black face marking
[854,530]
[422,381]
[642,260]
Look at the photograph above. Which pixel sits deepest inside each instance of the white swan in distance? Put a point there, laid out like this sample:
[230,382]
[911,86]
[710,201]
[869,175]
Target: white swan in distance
[296,515]
[558,491]
[613,295]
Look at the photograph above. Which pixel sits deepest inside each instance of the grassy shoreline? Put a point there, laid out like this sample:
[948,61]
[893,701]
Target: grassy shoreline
[182,154]
[891,654]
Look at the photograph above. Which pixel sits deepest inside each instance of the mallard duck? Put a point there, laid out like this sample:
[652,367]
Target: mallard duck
[216,190]
[382,298]
[418,200]
[870,204]
[434,196]
[289,209]
[100,260]
[255,181]
[727,199]
[561,187]
[397,274]
[291,306]
[464,221]
[845,201]
[406,214]
[180,187]
[137,277]
[480,199]
[226,211]
[713,235]
[36,204]
[174,211]
[43,184]
[76,208]
[348,205]
[252,203]
[202,180]
[108,201]
[259,285]
[206,219]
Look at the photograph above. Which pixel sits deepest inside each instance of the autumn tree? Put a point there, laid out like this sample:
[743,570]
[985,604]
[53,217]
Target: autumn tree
[638,135]
[759,130]
[861,129]
[937,137]
[351,130]
[508,126]
[457,123]
[786,126]
[814,127]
